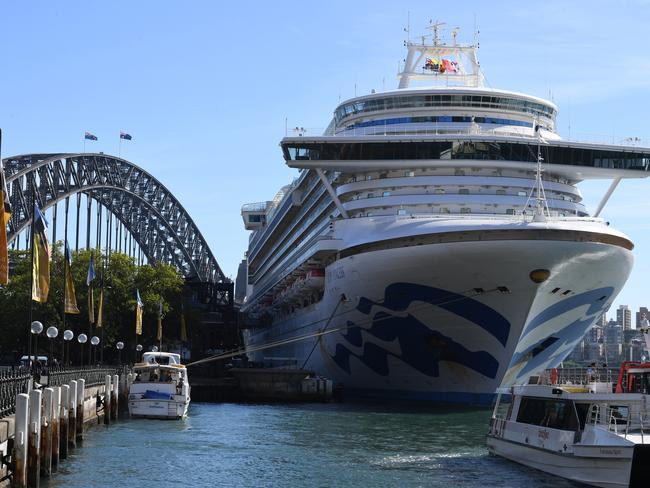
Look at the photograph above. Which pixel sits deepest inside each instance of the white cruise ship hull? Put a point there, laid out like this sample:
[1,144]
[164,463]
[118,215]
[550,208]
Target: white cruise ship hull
[442,322]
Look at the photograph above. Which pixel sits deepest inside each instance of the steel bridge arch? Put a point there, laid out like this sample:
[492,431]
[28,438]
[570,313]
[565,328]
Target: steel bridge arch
[157,221]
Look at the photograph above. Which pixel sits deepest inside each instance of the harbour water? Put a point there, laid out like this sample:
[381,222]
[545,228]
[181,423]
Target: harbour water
[334,445]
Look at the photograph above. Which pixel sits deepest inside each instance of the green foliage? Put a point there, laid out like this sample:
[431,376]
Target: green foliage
[121,278]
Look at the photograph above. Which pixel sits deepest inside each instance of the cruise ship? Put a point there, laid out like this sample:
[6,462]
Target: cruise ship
[434,245]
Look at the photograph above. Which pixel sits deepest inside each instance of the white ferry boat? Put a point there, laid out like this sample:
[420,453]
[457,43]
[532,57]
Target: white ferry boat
[160,388]
[585,433]
[434,244]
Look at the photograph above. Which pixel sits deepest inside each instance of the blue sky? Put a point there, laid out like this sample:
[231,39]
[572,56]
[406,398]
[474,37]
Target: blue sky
[204,87]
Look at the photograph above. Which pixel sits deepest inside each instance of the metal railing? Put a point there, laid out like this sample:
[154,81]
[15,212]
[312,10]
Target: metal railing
[12,383]
[22,380]
[93,375]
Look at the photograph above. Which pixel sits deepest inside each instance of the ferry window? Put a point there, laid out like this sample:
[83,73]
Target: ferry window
[440,191]
[510,211]
[401,211]
[463,191]
[501,192]
[370,195]
[444,210]
[521,193]
[583,410]
[465,210]
[409,173]
[547,412]
[385,194]
[368,177]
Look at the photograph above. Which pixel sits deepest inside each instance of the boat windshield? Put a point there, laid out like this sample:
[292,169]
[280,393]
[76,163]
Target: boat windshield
[157,375]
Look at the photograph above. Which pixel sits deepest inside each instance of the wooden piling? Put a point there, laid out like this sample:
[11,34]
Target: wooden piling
[56,415]
[63,422]
[107,400]
[115,396]
[81,385]
[46,432]
[20,441]
[72,414]
[34,446]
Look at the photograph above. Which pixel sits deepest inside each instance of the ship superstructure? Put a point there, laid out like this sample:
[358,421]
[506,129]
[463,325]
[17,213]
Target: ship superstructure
[435,243]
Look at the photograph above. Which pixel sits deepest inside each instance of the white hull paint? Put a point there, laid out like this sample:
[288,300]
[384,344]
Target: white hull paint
[428,322]
[606,472]
[159,409]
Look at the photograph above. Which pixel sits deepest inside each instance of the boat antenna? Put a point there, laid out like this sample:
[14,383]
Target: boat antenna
[435,27]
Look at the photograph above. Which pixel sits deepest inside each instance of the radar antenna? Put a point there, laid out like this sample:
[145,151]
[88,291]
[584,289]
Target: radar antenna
[435,28]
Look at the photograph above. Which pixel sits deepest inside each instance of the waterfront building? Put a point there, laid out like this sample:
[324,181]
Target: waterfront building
[624,317]
[643,312]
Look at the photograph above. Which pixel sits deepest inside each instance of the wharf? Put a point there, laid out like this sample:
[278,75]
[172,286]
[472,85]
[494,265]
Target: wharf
[262,385]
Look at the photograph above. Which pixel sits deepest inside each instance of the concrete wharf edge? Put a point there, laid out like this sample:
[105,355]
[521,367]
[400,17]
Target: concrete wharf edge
[91,417]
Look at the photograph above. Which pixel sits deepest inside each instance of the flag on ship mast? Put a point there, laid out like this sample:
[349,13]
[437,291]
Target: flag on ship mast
[70,295]
[138,313]
[5,215]
[90,277]
[40,257]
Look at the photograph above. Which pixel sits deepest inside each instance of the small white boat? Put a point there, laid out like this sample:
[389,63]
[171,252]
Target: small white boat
[592,433]
[160,388]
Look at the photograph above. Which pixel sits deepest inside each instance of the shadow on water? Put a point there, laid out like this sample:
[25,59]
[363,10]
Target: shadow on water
[321,445]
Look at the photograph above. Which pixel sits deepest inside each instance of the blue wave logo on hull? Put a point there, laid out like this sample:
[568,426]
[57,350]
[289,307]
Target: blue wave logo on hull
[421,347]
[537,355]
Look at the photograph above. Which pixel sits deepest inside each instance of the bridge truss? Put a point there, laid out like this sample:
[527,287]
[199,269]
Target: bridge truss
[157,221]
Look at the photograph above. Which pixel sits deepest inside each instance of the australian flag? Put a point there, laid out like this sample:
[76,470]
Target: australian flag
[124,135]
[90,136]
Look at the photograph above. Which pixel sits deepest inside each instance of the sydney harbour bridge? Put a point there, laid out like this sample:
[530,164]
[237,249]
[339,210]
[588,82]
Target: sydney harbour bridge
[138,215]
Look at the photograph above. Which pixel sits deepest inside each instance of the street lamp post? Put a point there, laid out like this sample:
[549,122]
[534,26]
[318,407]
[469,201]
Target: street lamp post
[120,346]
[139,349]
[94,340]
[68,335]
[36,329]
[82,338]
[52,332]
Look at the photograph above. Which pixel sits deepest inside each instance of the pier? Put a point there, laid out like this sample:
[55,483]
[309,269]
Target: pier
[39,428]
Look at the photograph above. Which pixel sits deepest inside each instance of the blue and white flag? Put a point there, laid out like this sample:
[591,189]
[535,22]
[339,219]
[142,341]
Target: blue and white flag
[90,136]
[124,135]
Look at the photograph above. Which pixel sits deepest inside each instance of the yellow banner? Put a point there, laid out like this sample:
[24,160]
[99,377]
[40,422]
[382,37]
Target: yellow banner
[70,295]
[4,220]
[91,305]
[40,269]
[138,319]
[100,308]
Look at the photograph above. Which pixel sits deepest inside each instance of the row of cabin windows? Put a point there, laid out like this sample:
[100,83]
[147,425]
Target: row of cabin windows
[443,210]
[461,191]
[457,172]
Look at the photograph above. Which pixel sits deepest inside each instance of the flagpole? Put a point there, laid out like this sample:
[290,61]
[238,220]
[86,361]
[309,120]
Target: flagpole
[119,151]
[31,288]
[65,241]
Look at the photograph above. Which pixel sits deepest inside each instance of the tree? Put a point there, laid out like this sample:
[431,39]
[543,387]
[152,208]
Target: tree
[120,276]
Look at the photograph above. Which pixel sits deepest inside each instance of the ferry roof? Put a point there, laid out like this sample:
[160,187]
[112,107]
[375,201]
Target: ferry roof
[576,160]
